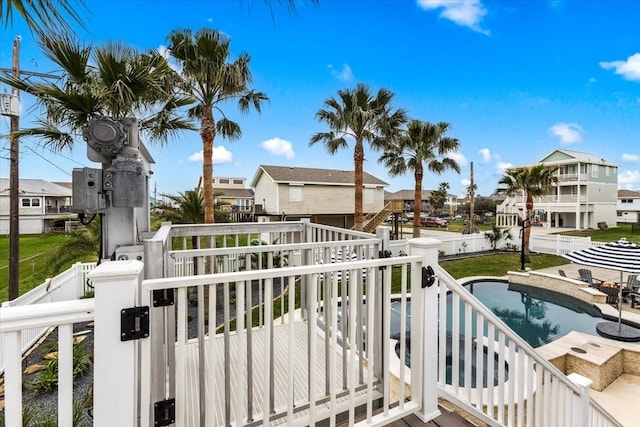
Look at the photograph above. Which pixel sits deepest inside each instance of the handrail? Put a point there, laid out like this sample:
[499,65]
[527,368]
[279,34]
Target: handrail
[536,389]
[54,313]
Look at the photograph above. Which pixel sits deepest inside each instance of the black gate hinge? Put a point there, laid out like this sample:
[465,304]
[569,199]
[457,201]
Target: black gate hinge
[164,412]
[386,253]
[163,297]
[134,323]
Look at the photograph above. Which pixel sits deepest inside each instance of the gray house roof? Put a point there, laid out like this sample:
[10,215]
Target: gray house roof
[289,174]
[238,193]
[36,187]
[561,156]
[628,194]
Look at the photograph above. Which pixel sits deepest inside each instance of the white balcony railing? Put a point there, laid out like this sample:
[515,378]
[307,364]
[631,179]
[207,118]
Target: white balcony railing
[321,355]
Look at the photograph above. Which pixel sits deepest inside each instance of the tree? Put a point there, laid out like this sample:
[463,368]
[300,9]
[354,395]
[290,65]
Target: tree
[41,15]
[111,80]
[83,243]
[438,198]
[533,181]
[496,235]
[211,81]
[357,115]
[421,143]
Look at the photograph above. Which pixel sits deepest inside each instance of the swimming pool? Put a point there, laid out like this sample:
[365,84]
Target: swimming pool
[536,315]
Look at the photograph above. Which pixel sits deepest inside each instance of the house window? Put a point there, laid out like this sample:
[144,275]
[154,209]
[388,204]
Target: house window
[295,193]
[627,200]
[223,181]
[238,181]
[368,196]
[594,171]
[26,203]
[35,202]
[606,170]
[574,190]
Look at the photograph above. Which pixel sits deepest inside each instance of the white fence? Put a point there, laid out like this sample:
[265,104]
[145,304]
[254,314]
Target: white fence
[66,286]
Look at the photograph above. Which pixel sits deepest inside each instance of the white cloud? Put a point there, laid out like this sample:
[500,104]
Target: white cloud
[279,147]
[465,182]
[592,80]
[486,154]
[220,155]
[569,133]
[467,13]
[344,75]
[629,179]
[627,157]
[501,167]
[460,159]
[629,69]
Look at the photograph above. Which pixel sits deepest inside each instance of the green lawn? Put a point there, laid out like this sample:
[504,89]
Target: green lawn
[35,252]
[498,264]
[609,235]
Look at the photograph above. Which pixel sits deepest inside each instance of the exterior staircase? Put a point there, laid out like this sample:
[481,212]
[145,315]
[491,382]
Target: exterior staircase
[374,219]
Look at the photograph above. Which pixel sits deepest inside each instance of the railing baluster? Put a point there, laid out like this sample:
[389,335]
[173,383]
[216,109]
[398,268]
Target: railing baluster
[181,357]
[291,347]
[480,358]
[501,379]
[491,367]
[332,332]
[468,351]
[212,358]
[65,375]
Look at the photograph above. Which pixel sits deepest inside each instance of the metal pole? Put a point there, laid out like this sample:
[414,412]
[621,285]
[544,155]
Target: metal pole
[14,187]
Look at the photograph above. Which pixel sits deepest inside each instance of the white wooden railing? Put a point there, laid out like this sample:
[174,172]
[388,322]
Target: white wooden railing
[15,320]
[66,286]
[518,387]
[533,393]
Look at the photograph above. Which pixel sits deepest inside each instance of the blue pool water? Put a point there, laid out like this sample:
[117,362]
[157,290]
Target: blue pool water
[536,315]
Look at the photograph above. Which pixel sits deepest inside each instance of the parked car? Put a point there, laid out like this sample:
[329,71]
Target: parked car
[431,221]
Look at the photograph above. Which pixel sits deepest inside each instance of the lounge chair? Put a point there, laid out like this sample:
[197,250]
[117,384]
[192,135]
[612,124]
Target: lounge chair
[633,285]
[585,276]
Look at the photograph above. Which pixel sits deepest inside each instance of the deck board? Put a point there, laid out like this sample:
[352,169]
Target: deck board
[239,391]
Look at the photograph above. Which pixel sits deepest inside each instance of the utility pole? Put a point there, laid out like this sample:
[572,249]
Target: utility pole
[11,107]
[14,186]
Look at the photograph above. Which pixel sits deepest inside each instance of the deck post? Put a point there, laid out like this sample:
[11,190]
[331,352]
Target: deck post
[427,248]
[161,323]
[581,403]
[115,392]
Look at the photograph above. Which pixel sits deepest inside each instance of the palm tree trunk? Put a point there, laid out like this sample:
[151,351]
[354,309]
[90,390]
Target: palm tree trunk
[417,199]
[207,132]
[527,228]
[358,160]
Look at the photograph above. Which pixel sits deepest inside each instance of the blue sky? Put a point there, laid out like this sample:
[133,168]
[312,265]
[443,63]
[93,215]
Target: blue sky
[515,79]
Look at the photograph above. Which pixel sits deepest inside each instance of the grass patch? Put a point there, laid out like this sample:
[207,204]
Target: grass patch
[608,235]
[498,264]
[35,253]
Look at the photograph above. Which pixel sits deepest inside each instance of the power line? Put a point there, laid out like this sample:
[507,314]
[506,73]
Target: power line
[47,160]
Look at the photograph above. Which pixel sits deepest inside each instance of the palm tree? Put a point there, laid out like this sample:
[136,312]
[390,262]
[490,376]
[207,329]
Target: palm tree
[533,181]
[438,198]
[421,143]
[83,244]
[41,15]
[111,80]
[211,81]
[358,115]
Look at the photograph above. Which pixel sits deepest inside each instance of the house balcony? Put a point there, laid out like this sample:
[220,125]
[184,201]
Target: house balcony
[287,323]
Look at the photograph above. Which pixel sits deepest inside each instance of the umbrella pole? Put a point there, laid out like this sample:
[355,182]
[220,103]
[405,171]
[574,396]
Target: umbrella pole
[620,304]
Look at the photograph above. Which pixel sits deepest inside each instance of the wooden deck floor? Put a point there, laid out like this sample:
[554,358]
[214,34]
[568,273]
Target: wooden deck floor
[447,419]
[239,390]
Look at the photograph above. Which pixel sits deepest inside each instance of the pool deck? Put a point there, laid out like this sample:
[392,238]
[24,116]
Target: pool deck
[620,381]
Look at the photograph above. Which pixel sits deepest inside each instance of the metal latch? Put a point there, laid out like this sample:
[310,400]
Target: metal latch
[164,412]
[428,277]
[134,323]
[384,254]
